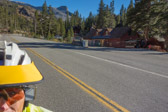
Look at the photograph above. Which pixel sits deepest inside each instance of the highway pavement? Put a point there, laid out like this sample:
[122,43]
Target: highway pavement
[97,79]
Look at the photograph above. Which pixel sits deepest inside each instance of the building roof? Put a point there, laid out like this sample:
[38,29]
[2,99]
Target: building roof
[91,34]
[109,29]
[119,32]
[106,29]
[99,30]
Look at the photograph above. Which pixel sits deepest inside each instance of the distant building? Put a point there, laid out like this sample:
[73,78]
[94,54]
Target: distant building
[97,37]
[118,37]
[122,37]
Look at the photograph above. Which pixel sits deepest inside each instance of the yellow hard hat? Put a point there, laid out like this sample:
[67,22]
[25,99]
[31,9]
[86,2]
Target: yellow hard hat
[19,75]
[16,67]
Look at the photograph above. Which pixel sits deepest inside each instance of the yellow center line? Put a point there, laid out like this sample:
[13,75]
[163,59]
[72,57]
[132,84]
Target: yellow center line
[99,96]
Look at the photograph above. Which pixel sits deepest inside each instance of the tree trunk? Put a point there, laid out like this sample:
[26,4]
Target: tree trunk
[35,26]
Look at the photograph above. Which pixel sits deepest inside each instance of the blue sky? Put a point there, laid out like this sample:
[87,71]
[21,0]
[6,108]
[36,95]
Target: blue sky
[83,6]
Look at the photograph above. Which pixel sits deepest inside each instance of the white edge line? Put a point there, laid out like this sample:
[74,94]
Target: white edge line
[124,65]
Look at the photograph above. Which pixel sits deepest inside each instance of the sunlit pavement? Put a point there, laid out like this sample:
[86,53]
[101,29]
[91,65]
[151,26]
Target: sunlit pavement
[136,79]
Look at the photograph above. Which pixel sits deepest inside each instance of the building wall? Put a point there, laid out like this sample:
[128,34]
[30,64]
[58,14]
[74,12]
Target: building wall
[114,42]
[120,42]
[96,42]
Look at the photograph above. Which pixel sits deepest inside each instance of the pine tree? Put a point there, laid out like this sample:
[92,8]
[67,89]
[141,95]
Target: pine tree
[139,17]
[112,7]
[130,7]
[44,20]
[125,17]
[122,14]
[113,21]
[107,17]
[118,20]
[15,20]
[159,18]
[72,22]
[83,27]
[69,36]
[49,35]
[6,16]
[90,21]
[76,19]
[35,22]
[67,20]
[44,9]
[62,28]
[72,32]
[101,14]
[51,18]
[58,29]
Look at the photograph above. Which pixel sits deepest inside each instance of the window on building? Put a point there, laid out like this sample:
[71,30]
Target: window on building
[97,33]
[106,33]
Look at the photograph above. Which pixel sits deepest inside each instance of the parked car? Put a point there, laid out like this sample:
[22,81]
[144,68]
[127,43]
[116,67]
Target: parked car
[58,37]
[77,41]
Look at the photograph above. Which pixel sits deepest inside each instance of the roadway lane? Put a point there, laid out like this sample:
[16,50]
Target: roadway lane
[136,79]
[59,94]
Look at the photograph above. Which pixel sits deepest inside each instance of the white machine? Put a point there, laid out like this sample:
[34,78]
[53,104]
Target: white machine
[11,55]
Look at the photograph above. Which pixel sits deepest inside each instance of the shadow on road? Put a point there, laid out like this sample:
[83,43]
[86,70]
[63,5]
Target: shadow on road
[69,46]
[158,53]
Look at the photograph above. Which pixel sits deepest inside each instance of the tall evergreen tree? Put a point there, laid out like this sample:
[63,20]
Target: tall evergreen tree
[118,20]
[101,14]
[35,22]
[67,20]
[51,19]
[6,16]
[62,28]
[89,22]
[73,21]
[76,19]
[122,14]
[69,36]
[72,32]
[139,17]
[112,7]
[107,18]
[125,17]
[44,20]
[44,9]
[58,29]
[83,27]
[159,17]
[112,23]
[130,7]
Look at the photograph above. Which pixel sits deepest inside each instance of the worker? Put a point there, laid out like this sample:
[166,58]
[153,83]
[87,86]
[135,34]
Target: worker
[17,74]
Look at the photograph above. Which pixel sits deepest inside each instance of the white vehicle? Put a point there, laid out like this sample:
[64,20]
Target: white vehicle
[10,54]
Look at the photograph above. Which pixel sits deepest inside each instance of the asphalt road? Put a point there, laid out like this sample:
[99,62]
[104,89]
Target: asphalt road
[136,79]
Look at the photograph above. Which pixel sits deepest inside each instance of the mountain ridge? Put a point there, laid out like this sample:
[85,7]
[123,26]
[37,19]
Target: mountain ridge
[60,12]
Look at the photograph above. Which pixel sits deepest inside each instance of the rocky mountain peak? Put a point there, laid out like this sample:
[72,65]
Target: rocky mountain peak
[59,12]
[63,8]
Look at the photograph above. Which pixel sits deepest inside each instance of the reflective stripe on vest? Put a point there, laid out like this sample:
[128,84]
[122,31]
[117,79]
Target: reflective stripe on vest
[33,108]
